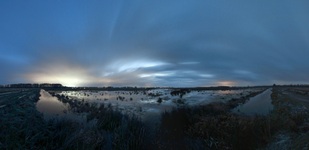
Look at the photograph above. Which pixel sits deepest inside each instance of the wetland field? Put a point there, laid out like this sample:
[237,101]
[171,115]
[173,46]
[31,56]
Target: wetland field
[269,117]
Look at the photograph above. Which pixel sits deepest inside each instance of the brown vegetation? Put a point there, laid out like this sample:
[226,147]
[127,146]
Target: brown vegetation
[211,126]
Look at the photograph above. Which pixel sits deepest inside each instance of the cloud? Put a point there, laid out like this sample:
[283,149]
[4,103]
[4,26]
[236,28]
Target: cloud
[159,43]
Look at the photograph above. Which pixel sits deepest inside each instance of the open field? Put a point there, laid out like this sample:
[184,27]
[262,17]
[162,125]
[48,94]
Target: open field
[143,103]
[152,119]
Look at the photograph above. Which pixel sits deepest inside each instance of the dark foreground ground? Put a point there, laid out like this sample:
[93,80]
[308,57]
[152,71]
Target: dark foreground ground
[212,126]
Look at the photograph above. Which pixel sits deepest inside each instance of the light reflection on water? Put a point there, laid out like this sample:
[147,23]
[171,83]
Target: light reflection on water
[228,91]
[50,105]
[258,105]
[140,103]
[52,108]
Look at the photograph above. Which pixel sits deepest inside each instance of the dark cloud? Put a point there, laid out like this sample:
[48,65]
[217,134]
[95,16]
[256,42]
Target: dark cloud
[154,43]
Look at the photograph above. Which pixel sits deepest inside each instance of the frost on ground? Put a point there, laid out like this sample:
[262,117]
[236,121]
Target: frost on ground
[281,142]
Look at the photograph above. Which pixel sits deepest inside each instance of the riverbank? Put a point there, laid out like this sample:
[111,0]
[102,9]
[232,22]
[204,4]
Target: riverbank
[211,126]
[23,127]
[214,126]
[290,119]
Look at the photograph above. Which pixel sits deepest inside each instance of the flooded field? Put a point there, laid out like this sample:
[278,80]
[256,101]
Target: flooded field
[151,119]
[53,108]
[139,103]
[258,105]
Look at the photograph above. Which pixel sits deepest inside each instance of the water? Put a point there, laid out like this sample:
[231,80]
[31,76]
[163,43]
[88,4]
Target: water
[258,105]
[146,97]
[52,108]
[50,105]
[140,103]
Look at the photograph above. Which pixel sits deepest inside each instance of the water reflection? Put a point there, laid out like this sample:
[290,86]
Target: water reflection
[140,103]
[52,108]
[258,105]
[50,105]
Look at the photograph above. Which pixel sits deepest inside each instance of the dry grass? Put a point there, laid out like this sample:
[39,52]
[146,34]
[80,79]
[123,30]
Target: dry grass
[206,127]
[214,127]
[23,127]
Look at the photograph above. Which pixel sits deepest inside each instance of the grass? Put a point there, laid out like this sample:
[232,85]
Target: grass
[211,126]
[23,127]
[292,119]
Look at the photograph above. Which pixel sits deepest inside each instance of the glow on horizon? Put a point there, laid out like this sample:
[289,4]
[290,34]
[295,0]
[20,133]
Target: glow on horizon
[71,81]
[226,83]
[109,43]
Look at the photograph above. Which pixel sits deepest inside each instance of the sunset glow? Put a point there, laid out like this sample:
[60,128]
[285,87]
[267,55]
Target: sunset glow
[117,43]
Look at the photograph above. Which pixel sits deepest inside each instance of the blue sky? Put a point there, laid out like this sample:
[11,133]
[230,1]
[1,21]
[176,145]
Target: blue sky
[154,43]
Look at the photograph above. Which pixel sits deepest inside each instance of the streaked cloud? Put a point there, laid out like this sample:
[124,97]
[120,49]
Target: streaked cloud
[154,43]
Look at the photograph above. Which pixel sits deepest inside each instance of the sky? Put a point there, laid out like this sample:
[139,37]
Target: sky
[177,43]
